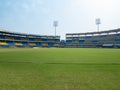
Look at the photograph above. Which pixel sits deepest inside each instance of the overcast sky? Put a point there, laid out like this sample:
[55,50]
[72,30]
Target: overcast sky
[73,16]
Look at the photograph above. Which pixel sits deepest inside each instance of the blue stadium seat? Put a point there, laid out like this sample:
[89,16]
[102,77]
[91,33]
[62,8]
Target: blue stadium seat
[50,44]
[2,37]
[44,40]
[68,41]
[95,41]
[57,40]
[11,43]
[17,38]
[88,37]
[81,41]
[38,44]
[31,39]
[25,44]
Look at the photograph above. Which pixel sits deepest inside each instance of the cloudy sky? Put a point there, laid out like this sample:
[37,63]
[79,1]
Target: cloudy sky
[37,16]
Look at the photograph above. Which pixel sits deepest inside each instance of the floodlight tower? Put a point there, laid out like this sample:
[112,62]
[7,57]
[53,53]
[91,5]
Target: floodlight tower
[98,22]
[55,24]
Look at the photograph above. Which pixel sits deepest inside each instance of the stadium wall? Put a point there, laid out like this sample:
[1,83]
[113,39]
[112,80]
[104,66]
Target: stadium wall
[21,40]
[103,39]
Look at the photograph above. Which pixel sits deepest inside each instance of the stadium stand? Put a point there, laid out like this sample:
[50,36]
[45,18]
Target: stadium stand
[3,43]
[56,45]
[102,39]
[44,44]
[62,44]
[13,39]
[110,38]
[32,44]
[18,44]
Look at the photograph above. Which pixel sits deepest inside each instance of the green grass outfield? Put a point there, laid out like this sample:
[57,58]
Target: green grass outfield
[60,69]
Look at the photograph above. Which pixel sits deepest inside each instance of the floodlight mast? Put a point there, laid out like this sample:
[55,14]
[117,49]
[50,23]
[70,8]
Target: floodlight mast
[55,24]
[98,22]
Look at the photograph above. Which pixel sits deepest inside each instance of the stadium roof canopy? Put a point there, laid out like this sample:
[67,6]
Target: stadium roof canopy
[92,33]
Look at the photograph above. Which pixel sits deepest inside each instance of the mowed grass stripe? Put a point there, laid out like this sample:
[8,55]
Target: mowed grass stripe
[56,77]
[61,55]
[63,63]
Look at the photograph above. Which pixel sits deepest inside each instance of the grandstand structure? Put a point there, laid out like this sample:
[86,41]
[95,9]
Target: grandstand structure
[109,38]
[13,39]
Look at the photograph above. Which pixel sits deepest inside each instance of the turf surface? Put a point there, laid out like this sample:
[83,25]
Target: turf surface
[59,69]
